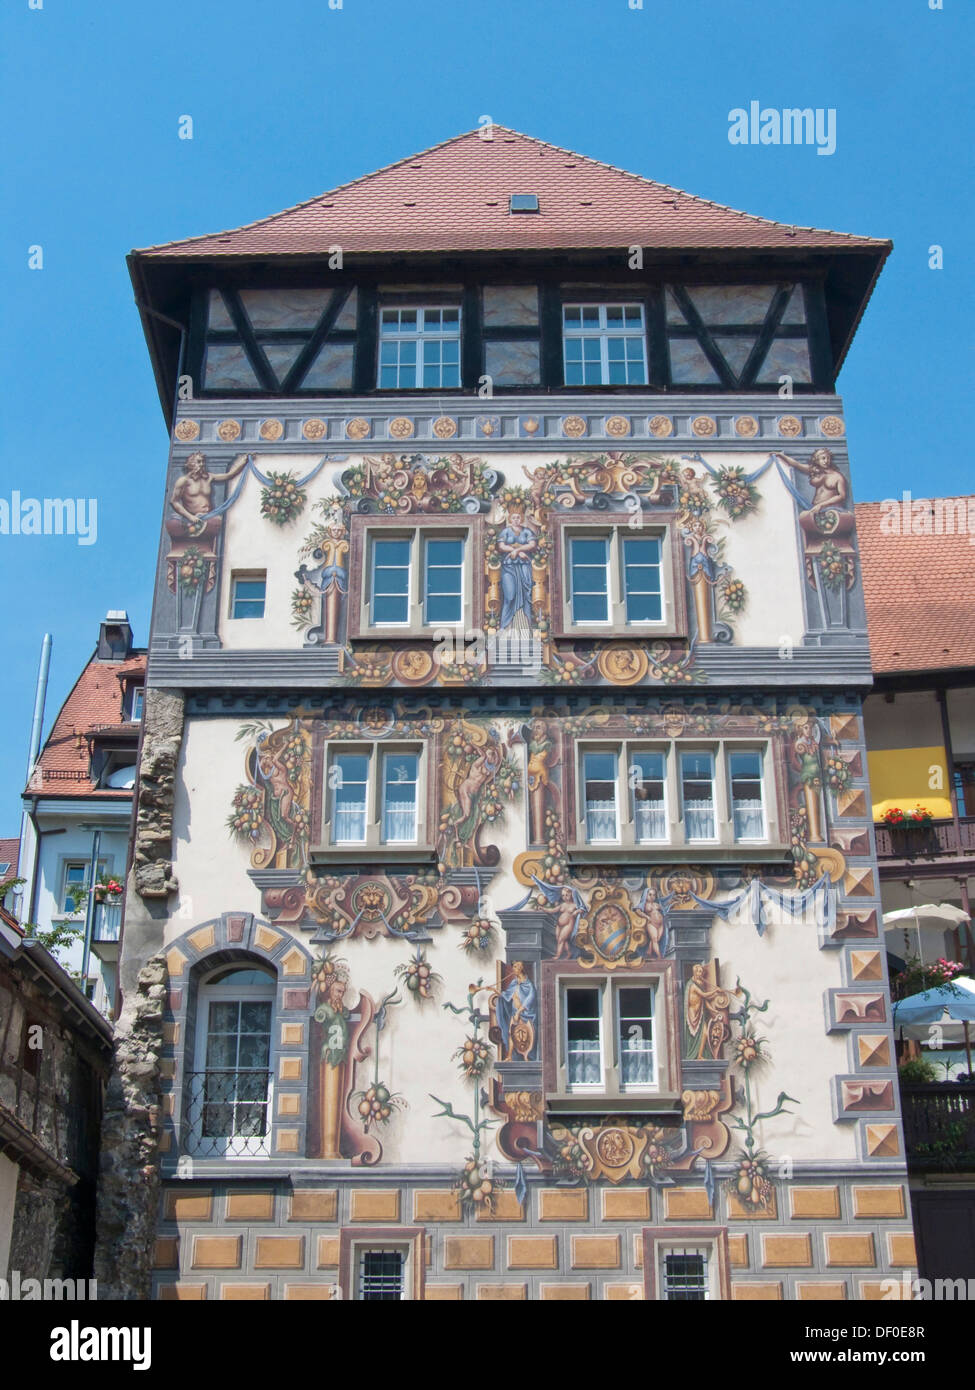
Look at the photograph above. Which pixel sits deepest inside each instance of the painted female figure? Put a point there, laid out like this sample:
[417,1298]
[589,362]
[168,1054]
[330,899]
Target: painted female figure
[516,1010]
[517,543]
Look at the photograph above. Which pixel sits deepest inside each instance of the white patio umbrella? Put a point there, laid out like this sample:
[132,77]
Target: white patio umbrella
[934,916]
[941,1004]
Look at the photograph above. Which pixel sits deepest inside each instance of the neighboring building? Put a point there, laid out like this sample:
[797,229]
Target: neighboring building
[9,859]
[79,805]
[920,718]
[919,584]
[55,1059]
[504,827]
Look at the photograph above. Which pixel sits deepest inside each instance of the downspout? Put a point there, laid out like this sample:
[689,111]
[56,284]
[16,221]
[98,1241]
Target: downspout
[36,728]
[90,908]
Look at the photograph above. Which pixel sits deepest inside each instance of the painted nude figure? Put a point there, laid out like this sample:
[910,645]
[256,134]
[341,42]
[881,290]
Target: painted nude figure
[192,495]
[828,483]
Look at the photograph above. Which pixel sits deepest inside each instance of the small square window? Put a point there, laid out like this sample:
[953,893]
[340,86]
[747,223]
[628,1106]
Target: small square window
[523,202]
[382,1276]
[249,594]
[685,1275]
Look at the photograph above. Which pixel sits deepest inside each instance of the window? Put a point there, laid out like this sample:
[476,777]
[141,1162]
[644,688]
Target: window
[605,1048]
[74,884]
[415,580]
[374,798]
[615,579]
[697,795]
[381,1275]
[248,593]
[748,811]
[138,703]
[384,1265]
[648,788]
[419,347]
[964,779]
[658,793]
[600,773]
[604,345]
[609,1037]
[682,1265]
[229,1096]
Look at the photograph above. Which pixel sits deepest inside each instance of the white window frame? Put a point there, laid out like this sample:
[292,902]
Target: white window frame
[616,534]
[377,754]
[247,577]
[762,796]
[416,598]
[604,334]
[719,751]
[72,861]
[611,1081]
[420,335]
[207,994]
[718,765]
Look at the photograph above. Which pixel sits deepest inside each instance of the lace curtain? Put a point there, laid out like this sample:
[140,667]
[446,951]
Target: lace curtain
[399,821]
[600,820]
[749,820]
[350,821]
[699,820]
[649,820]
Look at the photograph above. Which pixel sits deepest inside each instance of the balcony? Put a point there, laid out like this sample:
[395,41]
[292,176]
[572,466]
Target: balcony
[106,928]
[939,1127]
[933,844]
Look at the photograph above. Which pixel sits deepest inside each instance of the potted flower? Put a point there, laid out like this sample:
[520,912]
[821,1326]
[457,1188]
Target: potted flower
[911,831]
[107,889]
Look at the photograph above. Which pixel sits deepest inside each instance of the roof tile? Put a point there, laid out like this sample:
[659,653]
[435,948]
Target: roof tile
[919,589]
[454,197]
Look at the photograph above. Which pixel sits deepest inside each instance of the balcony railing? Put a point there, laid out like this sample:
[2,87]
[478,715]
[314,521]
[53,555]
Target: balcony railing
[107,923]
[939,1126]
[228,1113]
[926,841]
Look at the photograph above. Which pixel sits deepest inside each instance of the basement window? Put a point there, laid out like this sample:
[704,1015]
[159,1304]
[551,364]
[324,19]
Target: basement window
[523,202]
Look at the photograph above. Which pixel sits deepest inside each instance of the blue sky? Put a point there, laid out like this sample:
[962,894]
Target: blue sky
[291,98]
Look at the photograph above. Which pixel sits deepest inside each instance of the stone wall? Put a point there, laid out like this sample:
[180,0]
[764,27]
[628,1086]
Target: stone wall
[129,1179]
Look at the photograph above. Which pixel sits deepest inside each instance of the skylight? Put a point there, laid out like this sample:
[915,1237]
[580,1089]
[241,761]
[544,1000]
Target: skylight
[523,202]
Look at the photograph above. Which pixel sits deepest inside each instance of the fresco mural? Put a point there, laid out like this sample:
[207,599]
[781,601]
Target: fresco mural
[607,919]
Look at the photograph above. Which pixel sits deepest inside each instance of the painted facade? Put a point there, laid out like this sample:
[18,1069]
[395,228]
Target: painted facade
[421,1085]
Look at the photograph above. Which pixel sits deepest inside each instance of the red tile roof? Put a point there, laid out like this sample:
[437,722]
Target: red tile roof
[919,590]
[454,197]
[10,854]
[94,702]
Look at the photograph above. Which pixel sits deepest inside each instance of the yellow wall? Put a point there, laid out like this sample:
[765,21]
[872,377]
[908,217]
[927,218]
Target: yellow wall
[903,776]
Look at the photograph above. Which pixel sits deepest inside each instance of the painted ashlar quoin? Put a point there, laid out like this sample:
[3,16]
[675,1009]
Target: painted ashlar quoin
[504,726]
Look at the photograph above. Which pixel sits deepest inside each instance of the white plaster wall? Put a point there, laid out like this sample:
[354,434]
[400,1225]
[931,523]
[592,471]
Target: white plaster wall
[786,966]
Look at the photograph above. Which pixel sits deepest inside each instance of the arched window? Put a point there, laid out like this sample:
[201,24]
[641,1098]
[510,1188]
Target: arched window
[229,1101]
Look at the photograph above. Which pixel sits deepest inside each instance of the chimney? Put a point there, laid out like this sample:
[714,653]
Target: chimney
[114,636]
